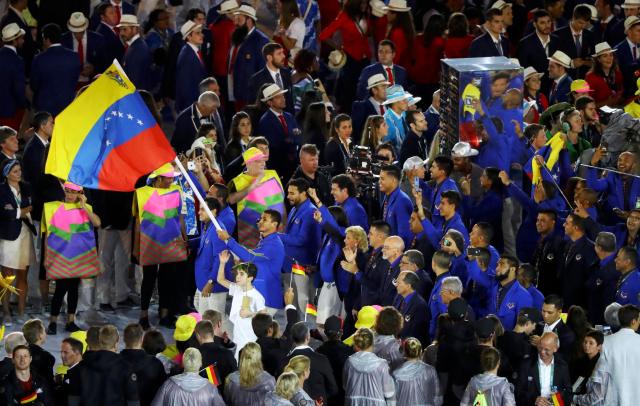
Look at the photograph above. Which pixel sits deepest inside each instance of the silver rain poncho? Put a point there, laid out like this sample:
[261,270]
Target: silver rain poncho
[367,381]
[253,396]
[497,390]
[417,384]
[388,348]
[188,388]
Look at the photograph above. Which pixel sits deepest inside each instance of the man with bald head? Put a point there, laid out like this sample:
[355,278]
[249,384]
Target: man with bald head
[544,375]
[392,251]
[623,191]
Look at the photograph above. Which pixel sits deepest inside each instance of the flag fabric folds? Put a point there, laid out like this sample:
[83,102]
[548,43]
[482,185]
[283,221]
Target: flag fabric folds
[212,375]
[555,143]
[311,309]
[158,236]
[298,269]
[557,399]
[107,138]
[70,243]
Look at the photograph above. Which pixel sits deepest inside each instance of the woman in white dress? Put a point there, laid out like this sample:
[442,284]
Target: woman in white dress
[16,228]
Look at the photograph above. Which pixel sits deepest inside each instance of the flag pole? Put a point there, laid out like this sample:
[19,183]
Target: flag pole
[305,311]
[203,204]
[610,170]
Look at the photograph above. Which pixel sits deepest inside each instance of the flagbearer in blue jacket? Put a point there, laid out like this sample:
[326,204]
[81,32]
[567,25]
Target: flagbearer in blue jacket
[210,295]
[396,205]
[508,297]
[268,257]
[301,239]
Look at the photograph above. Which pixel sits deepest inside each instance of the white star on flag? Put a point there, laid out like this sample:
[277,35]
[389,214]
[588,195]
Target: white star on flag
[114,113]
[129,116]
[120,114]
[140,122]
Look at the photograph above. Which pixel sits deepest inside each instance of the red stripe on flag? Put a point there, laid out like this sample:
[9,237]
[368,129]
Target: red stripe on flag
[126,163]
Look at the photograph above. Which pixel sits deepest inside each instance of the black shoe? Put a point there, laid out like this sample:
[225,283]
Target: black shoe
[52,329]
[168,322]
[144,322]
[106,307]
[71,327]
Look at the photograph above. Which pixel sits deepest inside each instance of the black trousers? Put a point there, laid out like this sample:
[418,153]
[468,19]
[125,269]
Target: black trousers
[70,288]
[170,278]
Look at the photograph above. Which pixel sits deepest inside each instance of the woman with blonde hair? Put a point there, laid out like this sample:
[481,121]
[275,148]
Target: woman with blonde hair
[301,366]
[375,129]
[416,382]
[286,387]
[366,376]
[250,383]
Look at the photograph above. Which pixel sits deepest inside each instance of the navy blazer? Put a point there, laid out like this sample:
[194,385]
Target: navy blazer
[608,33]
[302,236]
[186,128]
[45,188]
[12,83]
[616,33]
[531,52]
[10,225]
[190,71]
[566,44]
[125,8]
[54,76]
[627,66]
[416,317]
[400,77]
[249,60]
[263,76]
[483,46]
[96,51]
[29,49]
[137,64]
[113,47]
[283,156]
[360,111]
[561,93]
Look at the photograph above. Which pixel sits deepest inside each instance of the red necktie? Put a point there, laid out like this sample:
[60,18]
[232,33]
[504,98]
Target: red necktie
[200,57]
[81,51]
[232,61]
[389,75]
[118,14]
[381,110]
[126,46]
[553,87]
[284,124]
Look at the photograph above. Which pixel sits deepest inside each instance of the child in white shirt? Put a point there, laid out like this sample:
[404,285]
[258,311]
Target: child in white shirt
[247,301]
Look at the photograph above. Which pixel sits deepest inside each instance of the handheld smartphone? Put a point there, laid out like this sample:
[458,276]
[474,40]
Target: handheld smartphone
[473,252]
[199,152]
[191,166]
[416,183]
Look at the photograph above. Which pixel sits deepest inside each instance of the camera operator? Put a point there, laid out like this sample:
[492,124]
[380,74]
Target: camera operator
[308,170]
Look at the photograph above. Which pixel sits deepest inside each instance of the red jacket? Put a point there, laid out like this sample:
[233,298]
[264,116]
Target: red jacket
[601,90]
[399,38]
[221,31]
[458,47]
[354,41]
[425,68]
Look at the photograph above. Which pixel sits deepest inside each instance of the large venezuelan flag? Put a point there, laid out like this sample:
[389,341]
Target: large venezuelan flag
[70,242]
[107,138]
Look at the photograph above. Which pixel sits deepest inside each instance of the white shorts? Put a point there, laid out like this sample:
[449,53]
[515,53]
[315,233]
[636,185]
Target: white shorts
[329,303]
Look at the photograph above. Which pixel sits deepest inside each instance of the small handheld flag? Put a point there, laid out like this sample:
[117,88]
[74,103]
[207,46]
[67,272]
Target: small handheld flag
[557,399]
[312,310]
[32,397]
[298,269]
[212,374]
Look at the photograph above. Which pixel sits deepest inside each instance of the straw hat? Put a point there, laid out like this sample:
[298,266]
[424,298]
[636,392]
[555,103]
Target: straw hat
[630,22]
[399,6]
[561,58]
[603,48]
[128,20]
[377,80]
[463,149]
[228,7]
[414,162]
[337,59]
[631,4]
[531,71]
[378,9]
[395,94]
[272,91]
[77,22]
[500,4]
[188,27]
[11,32]
[246,10]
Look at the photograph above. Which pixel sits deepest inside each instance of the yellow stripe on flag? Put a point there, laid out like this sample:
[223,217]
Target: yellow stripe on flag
[311,309]
[298,270]
[75,122]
